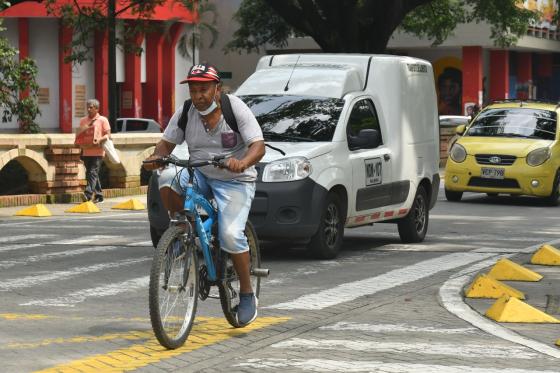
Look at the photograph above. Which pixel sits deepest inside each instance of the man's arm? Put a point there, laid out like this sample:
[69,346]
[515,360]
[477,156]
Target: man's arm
[163,148]
[253,156]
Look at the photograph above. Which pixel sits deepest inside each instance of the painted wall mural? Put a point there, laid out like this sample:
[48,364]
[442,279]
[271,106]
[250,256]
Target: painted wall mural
[449,85]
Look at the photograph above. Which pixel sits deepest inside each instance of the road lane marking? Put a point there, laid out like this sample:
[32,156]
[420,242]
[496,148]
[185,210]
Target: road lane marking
[129,336]
[395,328]
[477,218]
[141,243]
[24,316]
[353,290]
[432,348]
[208,332]
[82,240]
[24,237]
[106,215]
[59,254]
[80,296]
[326,365]
[23,282]
[19,246]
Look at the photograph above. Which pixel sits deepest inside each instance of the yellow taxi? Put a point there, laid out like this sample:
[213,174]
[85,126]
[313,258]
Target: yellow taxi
[510,147]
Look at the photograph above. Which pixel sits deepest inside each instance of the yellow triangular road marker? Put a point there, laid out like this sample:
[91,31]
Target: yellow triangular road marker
[38,210]
[85,208]
[505,269]
[131,204]
[546,255]
[487,287]
[509,309]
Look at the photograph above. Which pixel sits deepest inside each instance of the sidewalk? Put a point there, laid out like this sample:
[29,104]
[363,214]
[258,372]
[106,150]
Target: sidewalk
[59,209]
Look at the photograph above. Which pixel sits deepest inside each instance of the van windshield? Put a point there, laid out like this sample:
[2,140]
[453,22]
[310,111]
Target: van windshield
[295,118]
[515,122]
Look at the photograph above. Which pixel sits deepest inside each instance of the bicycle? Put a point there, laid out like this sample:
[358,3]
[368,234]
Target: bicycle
[177,280]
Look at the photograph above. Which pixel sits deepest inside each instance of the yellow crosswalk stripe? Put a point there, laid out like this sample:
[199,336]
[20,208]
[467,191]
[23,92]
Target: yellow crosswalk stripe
[205,332]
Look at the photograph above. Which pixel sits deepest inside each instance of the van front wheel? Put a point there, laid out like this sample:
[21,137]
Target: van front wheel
[414,226]
[325,244]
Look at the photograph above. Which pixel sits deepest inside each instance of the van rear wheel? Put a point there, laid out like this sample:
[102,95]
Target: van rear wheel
[326,243]
[414,226]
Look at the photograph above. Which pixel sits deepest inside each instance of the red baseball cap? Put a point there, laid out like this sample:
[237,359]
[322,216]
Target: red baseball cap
[203,72]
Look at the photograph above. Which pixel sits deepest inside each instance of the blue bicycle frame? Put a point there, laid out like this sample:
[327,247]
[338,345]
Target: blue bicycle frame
[193,200]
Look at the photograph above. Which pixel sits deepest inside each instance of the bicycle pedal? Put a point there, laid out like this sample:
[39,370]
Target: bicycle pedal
[260,272]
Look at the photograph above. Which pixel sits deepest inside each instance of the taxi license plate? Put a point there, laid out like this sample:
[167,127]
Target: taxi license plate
[492,173]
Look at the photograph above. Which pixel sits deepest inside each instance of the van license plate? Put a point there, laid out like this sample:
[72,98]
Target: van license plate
[492,173]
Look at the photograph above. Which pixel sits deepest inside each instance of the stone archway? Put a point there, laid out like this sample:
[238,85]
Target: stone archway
[39,172]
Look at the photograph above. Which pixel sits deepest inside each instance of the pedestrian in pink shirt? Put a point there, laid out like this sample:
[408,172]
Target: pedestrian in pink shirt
[92,154]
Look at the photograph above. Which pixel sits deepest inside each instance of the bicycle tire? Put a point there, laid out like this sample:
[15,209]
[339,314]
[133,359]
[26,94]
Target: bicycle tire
[228,285]
[169,290]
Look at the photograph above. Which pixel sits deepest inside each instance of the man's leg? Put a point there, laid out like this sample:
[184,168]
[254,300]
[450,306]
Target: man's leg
[90,186]
[97,186]
[171,200]
[242,265]
[172,180]
[234,202]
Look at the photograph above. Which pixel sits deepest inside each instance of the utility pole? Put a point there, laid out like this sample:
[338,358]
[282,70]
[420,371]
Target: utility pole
[112,66]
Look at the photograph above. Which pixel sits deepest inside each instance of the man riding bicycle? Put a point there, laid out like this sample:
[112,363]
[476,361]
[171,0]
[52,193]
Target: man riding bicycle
[208,135]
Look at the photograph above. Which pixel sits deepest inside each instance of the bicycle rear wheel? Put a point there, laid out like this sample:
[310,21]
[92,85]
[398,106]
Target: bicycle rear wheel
[173,291]
[229,283]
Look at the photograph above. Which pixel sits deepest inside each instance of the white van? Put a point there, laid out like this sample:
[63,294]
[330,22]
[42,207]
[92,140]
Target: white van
[356,141]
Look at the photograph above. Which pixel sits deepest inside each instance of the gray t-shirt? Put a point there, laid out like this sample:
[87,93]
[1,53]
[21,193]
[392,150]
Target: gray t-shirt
[221,141]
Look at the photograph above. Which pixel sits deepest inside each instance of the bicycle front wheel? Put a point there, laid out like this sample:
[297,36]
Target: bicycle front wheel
[229,283]
[173,289]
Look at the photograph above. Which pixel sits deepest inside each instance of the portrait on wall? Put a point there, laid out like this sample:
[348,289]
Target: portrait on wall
[449,85]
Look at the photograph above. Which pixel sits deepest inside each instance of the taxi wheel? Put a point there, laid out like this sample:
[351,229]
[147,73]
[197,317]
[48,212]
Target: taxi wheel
[325,244]
[453,196]
[414,226]
[553,199]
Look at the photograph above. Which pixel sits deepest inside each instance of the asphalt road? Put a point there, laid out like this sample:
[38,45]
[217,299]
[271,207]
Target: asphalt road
[73,297]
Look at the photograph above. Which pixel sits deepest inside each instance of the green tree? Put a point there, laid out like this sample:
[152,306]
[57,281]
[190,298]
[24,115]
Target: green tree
[367,25]
[18,88]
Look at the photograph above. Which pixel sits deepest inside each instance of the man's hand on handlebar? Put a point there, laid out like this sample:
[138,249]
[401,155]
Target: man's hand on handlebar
[235,165]
[149,163]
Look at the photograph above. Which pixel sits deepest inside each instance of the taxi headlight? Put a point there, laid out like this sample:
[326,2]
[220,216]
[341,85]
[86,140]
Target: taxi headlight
[538,156]
[458,153]
[287,169]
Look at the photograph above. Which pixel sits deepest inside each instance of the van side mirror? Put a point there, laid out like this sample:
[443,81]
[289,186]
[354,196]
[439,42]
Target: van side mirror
[459,130]
[366,139]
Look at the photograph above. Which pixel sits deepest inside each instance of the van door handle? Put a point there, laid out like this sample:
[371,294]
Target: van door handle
[386,157]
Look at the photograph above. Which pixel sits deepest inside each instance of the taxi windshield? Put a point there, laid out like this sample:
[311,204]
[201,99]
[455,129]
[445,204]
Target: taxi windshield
[295,118]
[515,122]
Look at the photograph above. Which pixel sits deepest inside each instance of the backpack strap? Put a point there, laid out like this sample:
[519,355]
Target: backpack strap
[227,112]
[184,118]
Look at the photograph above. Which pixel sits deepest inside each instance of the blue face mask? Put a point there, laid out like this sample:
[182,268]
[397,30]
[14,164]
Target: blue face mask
[213,106]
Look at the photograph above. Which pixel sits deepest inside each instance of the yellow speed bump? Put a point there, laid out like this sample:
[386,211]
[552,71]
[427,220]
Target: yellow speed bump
[131,204]
[509,309]
[486,287]
[547,255]
[505,269]
[85,208]
[39,210]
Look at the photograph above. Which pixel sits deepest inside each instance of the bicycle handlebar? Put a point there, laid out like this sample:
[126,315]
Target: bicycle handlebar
[218,161]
